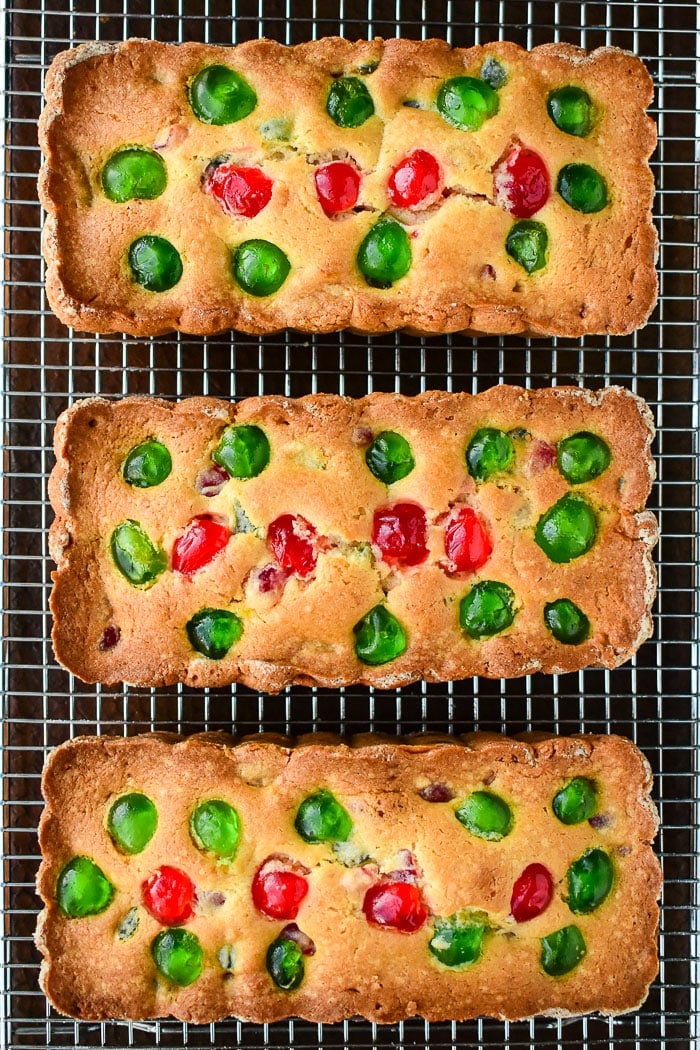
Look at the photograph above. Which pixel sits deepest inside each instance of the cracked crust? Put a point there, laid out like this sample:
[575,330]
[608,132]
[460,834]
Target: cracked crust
[303,634]
[600,276]
[357,969]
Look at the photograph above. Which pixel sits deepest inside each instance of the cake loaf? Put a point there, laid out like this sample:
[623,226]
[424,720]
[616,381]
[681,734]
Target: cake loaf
[374,185]
[198,879]
[327,541]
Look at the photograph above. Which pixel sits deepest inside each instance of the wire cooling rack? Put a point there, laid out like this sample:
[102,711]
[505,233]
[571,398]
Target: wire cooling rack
[653,699]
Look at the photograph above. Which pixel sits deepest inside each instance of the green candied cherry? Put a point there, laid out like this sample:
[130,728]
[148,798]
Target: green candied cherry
[562,951]
[567,530]
[576,801]
[590,880]
[243,451]
[349,103]
[285,963]
[487,609]
[567,622]
[486,815]
[458,940]
[259,267]
[384,256]
[571,110]
[215,828]
[132,821]
[493,72]
[178,956]
[583,188]
[136,557]
[147,465]
[379,637]
[155,263]
[135,173]
[321,818]
[489,452]
[220,95]
[582,457]
[466,102]
[83,889]
[389,457]
[527,243]
[212,632]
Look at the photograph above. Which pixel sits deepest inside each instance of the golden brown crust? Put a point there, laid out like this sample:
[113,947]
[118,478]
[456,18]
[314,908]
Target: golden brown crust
[600,276]
[357,968]
[303,632]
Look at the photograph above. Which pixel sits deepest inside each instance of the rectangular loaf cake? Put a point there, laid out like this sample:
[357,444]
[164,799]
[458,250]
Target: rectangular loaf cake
[374,185]
[198,879]
[326,541]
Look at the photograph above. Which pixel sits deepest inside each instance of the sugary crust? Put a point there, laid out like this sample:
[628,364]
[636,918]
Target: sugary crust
[317,470]
[600,276]
[357,969]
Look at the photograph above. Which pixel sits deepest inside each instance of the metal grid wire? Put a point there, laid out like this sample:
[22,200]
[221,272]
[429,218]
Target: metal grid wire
[653,699]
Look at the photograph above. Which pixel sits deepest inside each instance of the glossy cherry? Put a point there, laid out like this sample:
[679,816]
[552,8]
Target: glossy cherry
[337,186]
[241,192]
[467,543]
[416,180]
[292,540]
[396,906]
[521,182]
[278,891]
[169,895]
[202,539]
[532,893]
[83,889]
[400,532]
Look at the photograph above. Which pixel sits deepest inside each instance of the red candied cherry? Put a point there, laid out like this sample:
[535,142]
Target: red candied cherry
[532,893]
[416,180]
[521,182]
[169,895]
[279,887]
[396,906]
[467,543]
[400,531]
[202,539]
[241,192]
[337,186]
[293,542]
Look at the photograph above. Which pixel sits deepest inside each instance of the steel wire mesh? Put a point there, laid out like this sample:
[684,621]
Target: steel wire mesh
[653,699]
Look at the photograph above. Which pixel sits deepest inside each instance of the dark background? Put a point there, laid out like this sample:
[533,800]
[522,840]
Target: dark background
[653,699]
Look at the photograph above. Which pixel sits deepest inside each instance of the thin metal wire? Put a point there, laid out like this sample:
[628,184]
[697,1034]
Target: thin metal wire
[653,699]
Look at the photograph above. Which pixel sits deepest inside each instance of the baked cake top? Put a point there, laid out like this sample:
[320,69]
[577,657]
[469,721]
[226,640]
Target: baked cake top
[488,875]
[375,185]
[330,541]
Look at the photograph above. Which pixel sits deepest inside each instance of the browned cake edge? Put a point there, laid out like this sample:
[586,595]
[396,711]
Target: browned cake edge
[71,598]
[479,318]
[618,753]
